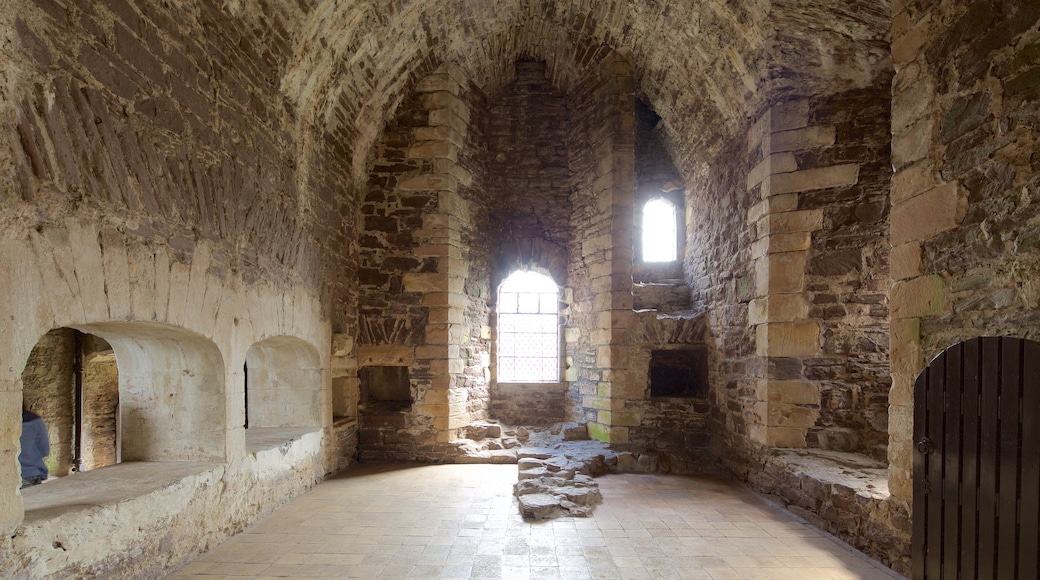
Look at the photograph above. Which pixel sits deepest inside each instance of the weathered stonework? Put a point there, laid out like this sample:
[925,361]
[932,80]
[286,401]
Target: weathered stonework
[964,131]
[252,203]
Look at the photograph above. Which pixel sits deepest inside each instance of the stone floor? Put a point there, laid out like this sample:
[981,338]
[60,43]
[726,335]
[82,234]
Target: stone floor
[462,521]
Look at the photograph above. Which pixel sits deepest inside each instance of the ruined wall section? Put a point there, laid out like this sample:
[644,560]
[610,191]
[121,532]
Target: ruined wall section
[965,250]
[529,188]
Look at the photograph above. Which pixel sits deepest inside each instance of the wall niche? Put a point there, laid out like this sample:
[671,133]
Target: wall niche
[679,373]
[386,388]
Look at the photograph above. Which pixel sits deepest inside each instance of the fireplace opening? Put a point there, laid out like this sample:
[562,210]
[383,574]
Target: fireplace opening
[385,387]
[679,373]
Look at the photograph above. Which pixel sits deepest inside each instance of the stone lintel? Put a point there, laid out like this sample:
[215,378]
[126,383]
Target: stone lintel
[385,355]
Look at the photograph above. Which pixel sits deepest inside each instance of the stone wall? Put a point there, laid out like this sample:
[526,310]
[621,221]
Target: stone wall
[158,190]
[100,405]
[424,269]
[528,180]
[717,265]
[846,272]
[602,145]
[964,239]
[820,265]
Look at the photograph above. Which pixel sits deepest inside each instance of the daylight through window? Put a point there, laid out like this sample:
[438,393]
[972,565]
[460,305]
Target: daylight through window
[528,329]
[659,231]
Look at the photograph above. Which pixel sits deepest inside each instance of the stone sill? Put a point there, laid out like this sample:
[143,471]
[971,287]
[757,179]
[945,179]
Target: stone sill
[862,475]
[530,387]
[260,439]
[105,487]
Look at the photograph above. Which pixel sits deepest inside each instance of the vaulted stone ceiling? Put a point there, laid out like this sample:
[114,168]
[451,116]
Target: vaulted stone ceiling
[704,66]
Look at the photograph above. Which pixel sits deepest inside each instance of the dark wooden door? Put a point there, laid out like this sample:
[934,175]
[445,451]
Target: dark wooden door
[977,462]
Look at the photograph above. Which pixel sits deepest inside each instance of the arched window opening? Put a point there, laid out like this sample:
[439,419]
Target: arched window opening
[660,236]
[528,329]
[71,382]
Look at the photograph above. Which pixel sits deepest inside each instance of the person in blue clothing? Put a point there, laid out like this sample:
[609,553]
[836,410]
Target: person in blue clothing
[35,447]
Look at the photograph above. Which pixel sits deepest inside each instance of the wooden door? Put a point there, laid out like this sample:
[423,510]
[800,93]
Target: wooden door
[977,462]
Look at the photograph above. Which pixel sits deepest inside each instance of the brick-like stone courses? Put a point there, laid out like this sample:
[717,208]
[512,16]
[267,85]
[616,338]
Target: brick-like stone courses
[718,270]
[391,212]
[821,271]
[600,277]
[530,188]
[571,35]
[965,257]
[846,273]
[475,238]
[168,116]
[424,269]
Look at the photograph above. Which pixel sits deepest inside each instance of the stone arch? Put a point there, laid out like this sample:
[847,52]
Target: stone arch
[171,384]
[283,384]
[344,86]
[530,254]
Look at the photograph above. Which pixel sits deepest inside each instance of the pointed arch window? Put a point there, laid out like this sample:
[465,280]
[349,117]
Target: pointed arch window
[528,344]
[660,235]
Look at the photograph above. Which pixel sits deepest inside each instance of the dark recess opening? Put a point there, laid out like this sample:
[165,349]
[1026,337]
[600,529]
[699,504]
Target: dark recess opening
[679,373]
[387,388]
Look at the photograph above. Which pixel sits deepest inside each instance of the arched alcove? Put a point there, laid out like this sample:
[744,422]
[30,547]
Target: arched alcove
[283,385]
[171,391]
